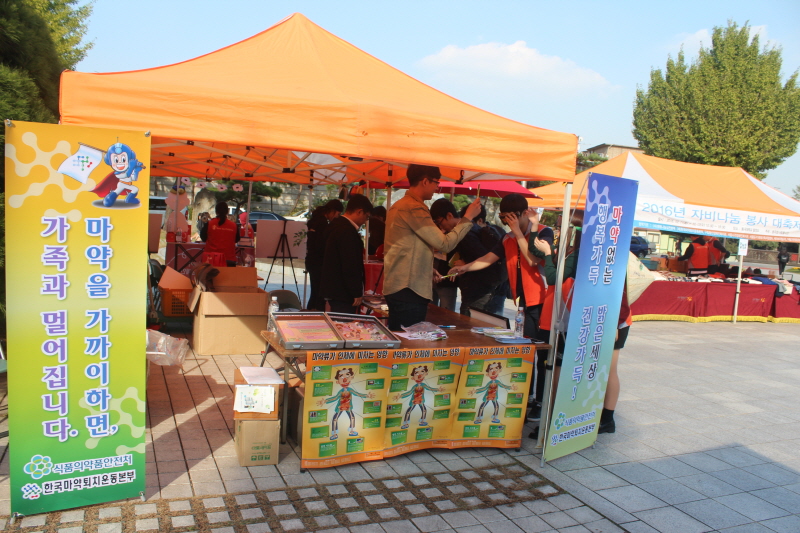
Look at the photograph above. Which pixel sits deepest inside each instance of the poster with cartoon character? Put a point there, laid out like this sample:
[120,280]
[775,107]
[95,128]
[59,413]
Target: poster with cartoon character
[492,396]
[75,232]
[343,418]
[420,399]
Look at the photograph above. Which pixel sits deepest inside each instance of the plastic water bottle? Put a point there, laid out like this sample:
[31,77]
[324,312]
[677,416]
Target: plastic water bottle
[519,322]
[273,308]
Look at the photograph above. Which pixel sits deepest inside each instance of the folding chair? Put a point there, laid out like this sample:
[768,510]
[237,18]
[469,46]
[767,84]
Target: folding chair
[286,299]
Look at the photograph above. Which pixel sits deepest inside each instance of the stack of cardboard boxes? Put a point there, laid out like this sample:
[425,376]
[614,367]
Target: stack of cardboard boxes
[257,435]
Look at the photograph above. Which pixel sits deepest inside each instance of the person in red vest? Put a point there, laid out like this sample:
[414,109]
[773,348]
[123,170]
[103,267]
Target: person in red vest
[221,234]
[717,254]
[698,256]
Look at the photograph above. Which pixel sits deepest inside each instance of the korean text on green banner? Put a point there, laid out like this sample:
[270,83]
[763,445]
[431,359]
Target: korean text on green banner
[594,314]
[76,280]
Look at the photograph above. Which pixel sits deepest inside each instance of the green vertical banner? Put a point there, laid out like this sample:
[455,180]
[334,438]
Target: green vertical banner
[594,315]
[76,263]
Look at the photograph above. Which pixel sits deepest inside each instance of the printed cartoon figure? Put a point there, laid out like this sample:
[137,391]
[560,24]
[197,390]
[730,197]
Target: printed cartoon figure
[344,399]
[491,390]
[417,393]
[125,170]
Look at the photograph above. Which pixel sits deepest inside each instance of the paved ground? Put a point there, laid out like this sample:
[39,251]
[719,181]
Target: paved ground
[708,430]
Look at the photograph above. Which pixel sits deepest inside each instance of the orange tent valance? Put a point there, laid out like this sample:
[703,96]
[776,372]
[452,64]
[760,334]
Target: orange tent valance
[257,109]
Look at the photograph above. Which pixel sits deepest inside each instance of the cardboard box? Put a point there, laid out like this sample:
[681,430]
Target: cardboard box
[257,442]
[238,379]
[230,319]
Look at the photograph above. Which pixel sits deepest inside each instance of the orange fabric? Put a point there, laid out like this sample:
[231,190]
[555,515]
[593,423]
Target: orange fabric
[532,282]
[299,87]
[732,189]
[699,258]
[546,318]
[714,255]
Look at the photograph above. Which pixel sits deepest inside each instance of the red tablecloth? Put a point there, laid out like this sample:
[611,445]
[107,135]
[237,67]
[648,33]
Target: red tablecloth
[709,302]
[787,308]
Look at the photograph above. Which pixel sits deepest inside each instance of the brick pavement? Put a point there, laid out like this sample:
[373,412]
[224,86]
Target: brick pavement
[708,429]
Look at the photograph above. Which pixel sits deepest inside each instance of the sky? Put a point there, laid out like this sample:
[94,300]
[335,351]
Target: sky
[566,66]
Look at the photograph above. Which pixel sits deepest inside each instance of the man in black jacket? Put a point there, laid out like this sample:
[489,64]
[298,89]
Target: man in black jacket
[343,264]
[477,288]
[315,249]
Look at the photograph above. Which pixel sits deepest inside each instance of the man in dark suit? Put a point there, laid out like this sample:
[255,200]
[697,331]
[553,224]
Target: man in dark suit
[343,263]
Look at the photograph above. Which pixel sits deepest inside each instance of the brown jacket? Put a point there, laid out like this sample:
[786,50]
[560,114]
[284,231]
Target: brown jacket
[411,238]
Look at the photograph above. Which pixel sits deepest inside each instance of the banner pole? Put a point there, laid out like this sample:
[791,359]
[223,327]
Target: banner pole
[249,196]
[738,288]
[557,304]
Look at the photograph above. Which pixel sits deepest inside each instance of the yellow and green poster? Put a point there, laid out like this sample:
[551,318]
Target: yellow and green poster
[420,399]
[492,396]
[343,414]
[76,266]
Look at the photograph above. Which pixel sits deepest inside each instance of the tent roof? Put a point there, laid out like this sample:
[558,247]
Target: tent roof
[665,182]
[296,87]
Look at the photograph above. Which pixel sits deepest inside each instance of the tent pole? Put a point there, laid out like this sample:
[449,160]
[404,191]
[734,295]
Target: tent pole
[366,233]
[452,193]
[557,305]
[249,196]
[310,198]
[738,288]
[388,197]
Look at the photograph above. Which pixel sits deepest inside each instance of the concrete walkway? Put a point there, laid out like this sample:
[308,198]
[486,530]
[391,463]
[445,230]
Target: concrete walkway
[708,430]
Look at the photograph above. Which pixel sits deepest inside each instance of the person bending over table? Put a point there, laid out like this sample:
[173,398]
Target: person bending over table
[411,238]
[343,264]
[221,234]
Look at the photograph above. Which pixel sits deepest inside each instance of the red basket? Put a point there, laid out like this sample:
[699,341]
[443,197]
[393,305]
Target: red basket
[175,302]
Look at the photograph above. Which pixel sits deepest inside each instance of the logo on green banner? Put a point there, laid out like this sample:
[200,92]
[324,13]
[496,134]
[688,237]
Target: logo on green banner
[394,408]
[321,373]
[519,377]
[371,422]
[368,368]
[466,417]
[441,400]
[327,449]
[441,413]
[399,437]
[316,417]
[374,407]
[513,412]
[320,432]
[399,370]
[398,385]
[446,379]
[355,445]
[393,422]
[514,362]
[497,432]
[466,403]
[474,380]
[514,398]
[471,432]
[424,433]
[323,389]
[375,384]
[441,365]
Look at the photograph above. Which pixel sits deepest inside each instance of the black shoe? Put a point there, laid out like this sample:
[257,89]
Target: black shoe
[535,413]
[534,434]
[607,427]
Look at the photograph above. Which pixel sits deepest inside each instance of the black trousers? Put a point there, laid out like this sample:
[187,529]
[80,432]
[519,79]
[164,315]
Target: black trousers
[406,308]
[315,301]
[342,307]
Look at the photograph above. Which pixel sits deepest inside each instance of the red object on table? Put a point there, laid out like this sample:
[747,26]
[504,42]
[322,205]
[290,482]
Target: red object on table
[373,277]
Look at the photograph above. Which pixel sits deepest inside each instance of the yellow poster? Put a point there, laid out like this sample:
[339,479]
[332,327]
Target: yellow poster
[76,264]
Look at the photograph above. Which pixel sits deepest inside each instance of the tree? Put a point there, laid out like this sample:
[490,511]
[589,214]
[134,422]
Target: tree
[728,108]
[260,189]
[796,192]
[68,26]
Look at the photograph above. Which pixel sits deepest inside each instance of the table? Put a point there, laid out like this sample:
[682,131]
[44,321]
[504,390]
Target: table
[714,302]
[182,256]
[460,337]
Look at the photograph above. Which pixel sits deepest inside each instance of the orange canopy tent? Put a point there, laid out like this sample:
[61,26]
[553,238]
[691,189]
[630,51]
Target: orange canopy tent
[692,198]
[259,109]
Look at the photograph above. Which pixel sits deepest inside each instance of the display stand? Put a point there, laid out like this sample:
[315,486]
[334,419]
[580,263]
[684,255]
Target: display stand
[282,250]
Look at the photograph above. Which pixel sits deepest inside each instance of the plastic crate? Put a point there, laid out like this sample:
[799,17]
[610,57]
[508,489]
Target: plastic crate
[174,302]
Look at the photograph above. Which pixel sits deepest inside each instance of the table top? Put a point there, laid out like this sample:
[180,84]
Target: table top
[460,337]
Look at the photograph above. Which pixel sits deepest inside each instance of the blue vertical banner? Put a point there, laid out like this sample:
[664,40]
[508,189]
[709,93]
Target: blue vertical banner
[594,315]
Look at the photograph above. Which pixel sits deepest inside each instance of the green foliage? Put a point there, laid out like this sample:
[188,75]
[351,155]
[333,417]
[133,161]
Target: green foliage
[27,47]
[260,190]
[585,161]
[728,108]
[19,100]
[796,192]
[460,201]
[68,26]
